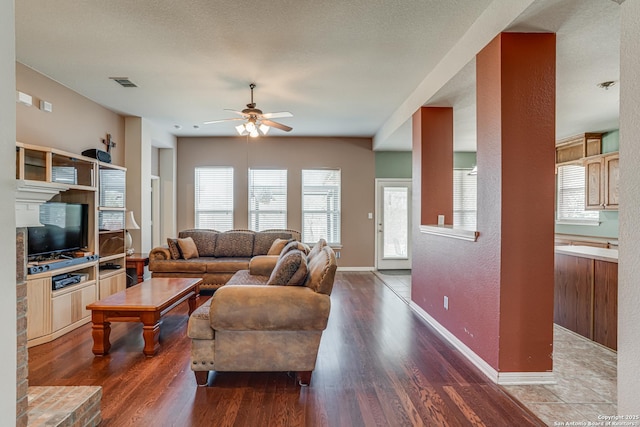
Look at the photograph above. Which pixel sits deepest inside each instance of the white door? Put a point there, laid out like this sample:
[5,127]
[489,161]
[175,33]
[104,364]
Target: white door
[393,224]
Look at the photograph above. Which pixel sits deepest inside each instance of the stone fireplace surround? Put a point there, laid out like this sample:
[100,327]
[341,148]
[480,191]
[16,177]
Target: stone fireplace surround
[67,406]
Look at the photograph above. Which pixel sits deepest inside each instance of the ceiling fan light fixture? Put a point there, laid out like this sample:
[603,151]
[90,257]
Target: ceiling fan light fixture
[240,129]
[250,126]
[264,128]
[254,133]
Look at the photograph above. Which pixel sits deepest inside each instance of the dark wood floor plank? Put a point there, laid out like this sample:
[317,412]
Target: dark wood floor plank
[379,364]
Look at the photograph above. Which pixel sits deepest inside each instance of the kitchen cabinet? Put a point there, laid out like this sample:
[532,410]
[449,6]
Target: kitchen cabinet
[605,304]
[586,292]
[602,182]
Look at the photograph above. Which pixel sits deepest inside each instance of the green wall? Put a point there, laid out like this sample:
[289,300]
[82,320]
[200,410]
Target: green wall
[608,219]
[393,164]
[611,141]
[397,164]
[464,159]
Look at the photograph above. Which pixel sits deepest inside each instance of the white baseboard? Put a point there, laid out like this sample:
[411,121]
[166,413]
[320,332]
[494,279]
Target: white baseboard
[502,378]
[356,269]
[526,378]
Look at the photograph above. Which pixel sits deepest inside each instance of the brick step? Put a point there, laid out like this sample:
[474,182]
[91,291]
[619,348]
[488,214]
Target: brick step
[72,406]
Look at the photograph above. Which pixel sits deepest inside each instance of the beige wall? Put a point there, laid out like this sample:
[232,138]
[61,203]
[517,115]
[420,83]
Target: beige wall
[76,123]
[8,317]
[353,156]
[629,262]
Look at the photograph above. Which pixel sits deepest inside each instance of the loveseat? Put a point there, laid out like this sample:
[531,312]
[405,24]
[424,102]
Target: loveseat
[251,324]
[217,255]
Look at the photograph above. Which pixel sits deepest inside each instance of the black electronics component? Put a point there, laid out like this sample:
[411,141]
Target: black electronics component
[60,263]
[94,153]
[62,280]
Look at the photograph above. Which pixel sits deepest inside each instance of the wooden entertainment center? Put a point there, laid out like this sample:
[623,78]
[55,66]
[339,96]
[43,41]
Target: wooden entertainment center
[81,180]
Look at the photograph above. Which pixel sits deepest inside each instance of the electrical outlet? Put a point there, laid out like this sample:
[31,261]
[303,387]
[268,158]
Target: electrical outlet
[337,254]
[446,302]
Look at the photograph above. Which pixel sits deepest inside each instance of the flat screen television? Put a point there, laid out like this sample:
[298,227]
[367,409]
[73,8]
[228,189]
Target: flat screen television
[65,229]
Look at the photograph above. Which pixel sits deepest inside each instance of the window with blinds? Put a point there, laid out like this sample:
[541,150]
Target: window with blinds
[214,198]
[113,184]
[321,205]
[267,199]
[465,199]
[570,195]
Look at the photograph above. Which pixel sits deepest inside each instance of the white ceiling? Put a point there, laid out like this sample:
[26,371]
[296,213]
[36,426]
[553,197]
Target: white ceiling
[356,68]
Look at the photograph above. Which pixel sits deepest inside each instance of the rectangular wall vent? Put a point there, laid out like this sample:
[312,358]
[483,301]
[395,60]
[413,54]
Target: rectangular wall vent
[123,81]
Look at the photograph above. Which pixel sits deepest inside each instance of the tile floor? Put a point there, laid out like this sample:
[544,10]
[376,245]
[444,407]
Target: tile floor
[585,373]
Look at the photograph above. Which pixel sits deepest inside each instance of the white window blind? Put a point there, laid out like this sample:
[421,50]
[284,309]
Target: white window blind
[267,199]
[465,199]
[321,205]
[570,196]
[214,198]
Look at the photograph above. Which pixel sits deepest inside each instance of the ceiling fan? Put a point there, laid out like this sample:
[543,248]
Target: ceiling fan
[256,120]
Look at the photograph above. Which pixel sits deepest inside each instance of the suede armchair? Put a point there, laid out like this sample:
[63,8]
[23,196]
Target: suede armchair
[250,326]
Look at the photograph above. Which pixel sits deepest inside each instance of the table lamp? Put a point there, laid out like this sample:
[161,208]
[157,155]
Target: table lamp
[130,224]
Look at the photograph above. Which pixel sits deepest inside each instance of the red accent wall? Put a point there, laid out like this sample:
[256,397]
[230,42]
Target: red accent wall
[500,288]
[434,128]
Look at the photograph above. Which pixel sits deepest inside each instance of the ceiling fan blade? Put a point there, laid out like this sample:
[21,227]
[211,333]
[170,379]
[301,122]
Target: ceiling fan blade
[236,112]
[222,120]
[277,115]
[277,125]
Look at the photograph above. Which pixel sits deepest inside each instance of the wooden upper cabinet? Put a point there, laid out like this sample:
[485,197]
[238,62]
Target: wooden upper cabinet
[593,194]
[578,147]
[612,181]
[601,182]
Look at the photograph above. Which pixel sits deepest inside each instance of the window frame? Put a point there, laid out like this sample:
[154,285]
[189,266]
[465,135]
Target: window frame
[587,217]
[197,197]
[464,172]
[250,207]
[333,216]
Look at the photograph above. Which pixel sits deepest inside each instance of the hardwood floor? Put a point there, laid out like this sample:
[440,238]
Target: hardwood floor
[379,364]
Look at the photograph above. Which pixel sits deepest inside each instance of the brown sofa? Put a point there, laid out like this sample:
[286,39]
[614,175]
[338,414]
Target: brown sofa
[249,325]
[219,255]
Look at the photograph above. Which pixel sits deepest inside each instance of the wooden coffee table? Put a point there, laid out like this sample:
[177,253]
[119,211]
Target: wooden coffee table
[145,302]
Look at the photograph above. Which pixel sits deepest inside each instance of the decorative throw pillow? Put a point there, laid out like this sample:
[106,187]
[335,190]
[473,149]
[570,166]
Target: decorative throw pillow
[300,275]
[286,268]
[174,250]
[277,246]
[316,249]
[294,246]
[188,248]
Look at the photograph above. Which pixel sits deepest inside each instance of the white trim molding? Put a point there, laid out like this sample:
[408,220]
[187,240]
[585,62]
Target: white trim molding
[448,231]
[501,378]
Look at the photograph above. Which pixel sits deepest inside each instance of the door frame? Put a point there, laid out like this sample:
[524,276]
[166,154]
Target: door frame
[379,183]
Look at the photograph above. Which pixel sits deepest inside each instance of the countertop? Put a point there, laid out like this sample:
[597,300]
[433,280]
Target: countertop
[610,255]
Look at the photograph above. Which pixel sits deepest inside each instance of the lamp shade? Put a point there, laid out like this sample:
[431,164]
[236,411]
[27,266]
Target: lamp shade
[130,222]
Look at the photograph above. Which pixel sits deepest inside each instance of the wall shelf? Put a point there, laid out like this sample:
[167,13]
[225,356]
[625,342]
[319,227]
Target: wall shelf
[448,231]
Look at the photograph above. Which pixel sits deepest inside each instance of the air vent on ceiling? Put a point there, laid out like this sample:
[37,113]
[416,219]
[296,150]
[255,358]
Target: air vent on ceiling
[124,81]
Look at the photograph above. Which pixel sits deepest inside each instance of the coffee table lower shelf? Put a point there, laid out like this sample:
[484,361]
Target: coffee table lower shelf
[145,302]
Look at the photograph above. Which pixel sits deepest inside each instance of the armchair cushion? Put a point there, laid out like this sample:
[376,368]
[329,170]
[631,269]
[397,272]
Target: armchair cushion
[205,240]
[188,248]
[284,273]
[234,244]
[268,308]
[263,265]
